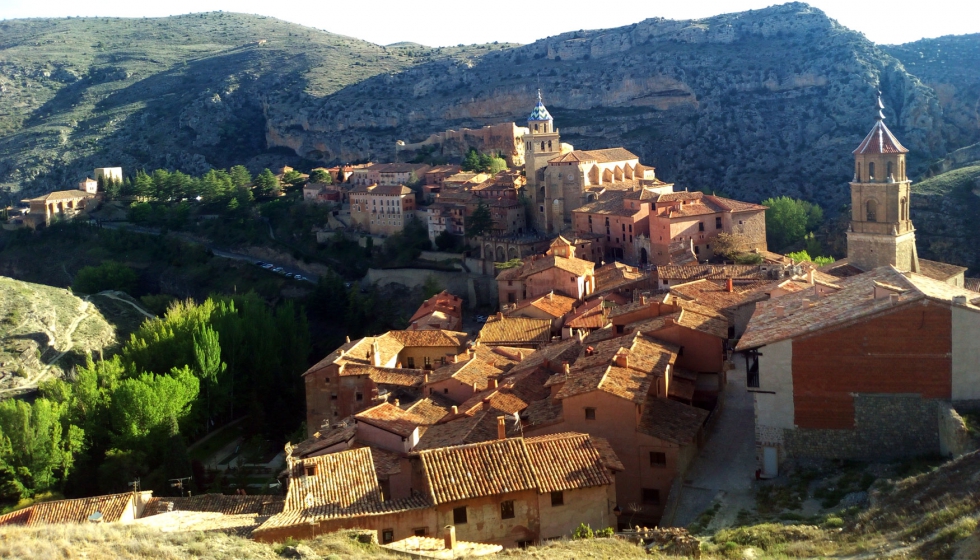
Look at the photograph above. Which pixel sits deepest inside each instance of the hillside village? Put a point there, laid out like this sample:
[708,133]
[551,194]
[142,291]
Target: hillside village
[621,340]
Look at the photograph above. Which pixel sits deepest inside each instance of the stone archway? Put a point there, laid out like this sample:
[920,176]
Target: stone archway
[488,251]
[512,253]
[643,256]
[501,256]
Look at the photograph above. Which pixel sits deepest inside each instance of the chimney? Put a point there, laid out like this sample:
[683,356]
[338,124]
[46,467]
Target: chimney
[501,427]
[622,360]
[450,537]
[551,296]
[492,383]
[348,339]
[809,277]
[455,358]
[485,404]
[341,352]
[589,351]
[957,300]
[643,299]
[566,369]
[396,402]
[780,311]
[580,334]
[729,285]
[471,352]
[455,410]
[375,354]
[500,315]
[520,355]
[425,379]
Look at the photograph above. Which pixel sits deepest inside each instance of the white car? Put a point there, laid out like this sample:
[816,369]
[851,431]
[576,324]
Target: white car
[278,270]
[267,266]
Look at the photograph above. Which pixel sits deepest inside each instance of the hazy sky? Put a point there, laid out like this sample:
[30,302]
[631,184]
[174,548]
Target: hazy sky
[444,22]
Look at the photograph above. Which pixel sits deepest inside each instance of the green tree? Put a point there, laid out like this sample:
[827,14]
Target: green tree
[730,245]
[431,287]
[788,220]
[497,164]
[267,183]
[109,275]
[321,176]
[480,223]
[240,177]
[37,445]
[207,356]
[146,403]
[293,178]
[446,241]
[472,161]
[804,256]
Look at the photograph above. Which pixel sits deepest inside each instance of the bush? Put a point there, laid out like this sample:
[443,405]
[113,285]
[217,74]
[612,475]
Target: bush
[583,531]
[109,275]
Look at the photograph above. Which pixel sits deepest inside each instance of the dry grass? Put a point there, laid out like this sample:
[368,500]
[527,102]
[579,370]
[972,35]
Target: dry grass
[124,542]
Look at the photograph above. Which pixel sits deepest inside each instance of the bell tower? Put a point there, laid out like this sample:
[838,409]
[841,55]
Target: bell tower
[541,145]
[881,232]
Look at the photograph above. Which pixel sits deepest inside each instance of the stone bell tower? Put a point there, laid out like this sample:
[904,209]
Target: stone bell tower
[541,145]
[881,232]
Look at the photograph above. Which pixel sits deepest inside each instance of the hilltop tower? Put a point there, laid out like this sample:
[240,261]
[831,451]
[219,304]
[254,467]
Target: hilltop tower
[541,144]
[881,232]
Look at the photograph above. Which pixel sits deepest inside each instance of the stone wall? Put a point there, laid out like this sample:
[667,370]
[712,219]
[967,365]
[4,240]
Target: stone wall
[475,289]
[504,138]
[886,426]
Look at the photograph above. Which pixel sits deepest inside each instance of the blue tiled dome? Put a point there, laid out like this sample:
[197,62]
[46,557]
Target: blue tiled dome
[539,113]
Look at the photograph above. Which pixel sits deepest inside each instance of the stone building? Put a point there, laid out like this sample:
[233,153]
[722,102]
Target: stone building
[509,491]
[861,369]
[561,179]
[381,209]
[881,231]
[558,270]
[388,174]
[59,204]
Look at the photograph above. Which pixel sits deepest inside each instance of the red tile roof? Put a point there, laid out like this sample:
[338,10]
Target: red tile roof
[566,462]
[504,330]
[341,479]
[671,421]
[390,418]
[112,507]
[218,503]
[880,141]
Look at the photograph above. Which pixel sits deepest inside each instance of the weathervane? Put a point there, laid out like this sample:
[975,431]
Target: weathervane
[539,95]
[881,107]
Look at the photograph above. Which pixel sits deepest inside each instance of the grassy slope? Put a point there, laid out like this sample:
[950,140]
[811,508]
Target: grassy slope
[947,216]
[84,92]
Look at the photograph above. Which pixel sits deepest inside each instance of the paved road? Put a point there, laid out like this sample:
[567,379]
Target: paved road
[725,468]
[307,276]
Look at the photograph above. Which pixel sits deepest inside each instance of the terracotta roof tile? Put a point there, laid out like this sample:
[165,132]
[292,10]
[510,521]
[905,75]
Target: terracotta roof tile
[341,479]
[387,376]
[804,312]
[473,371]
[734,205]
[545,412]
[566,462]
[390,418]
[647,359]
[429,338]
[324,439]
[609,457]
[880,141]
[939,270]
[112,507]
[504,330]
[64,195]
[554,354]
[553,304]
[217,503]
[671,421]
[431,408]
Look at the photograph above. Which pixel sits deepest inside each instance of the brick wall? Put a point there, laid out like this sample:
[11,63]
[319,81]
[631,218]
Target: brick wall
[902,352]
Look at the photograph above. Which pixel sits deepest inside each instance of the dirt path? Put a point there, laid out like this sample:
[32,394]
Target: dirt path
[112,295]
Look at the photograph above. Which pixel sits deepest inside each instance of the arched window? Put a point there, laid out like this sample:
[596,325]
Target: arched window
[542,146]
[549,145]
[905,209]
[541,193]
[872,207]
[857,172]
[888,170]
[871,171]
[535,128]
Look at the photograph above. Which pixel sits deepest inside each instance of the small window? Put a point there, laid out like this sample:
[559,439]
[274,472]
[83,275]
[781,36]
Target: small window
[459,515]
[326,380]
[557,498]
[700,226]
[590,413]
[310,470]
[718,222]
[507,509]
[411,362]
[524,544]
[658,459]
[420,531]
[651,496]
[358,396]
[387,536]
[333,396]
[428,361]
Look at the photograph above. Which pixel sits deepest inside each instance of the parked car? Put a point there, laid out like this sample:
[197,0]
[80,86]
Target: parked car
[267,266]
[278,270]
[260,263]
[481,318]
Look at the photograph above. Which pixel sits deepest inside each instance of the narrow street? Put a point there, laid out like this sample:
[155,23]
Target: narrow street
[725,468]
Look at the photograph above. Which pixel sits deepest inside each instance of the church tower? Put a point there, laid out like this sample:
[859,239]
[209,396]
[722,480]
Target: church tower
[541,145]
[881,232]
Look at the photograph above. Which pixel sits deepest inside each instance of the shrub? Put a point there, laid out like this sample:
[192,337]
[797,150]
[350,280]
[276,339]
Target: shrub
[109,275]
[583,531]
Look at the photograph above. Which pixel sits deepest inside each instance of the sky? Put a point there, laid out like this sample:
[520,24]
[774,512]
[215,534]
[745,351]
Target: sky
[450,22]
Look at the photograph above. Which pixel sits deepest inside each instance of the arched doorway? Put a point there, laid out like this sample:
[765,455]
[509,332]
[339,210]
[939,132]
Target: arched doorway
[500,254]
[643,256]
